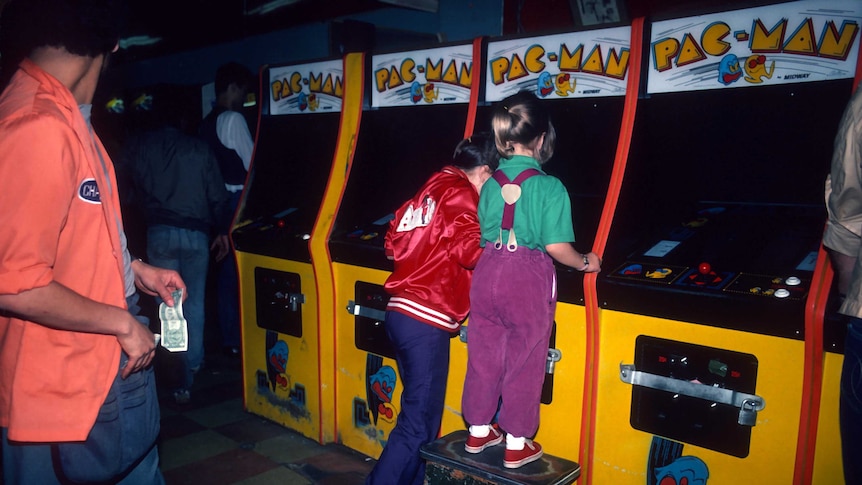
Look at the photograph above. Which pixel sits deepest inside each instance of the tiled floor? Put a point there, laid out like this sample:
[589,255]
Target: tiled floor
[212,440]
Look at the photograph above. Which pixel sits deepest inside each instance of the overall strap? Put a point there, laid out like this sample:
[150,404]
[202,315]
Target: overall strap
[511,192]
[503,180]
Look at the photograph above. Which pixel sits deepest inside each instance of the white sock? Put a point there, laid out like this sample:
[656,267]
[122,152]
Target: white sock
[480,430]
[515,442]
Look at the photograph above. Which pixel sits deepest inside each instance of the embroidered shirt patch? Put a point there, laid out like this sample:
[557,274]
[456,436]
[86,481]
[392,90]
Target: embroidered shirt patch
[88,191]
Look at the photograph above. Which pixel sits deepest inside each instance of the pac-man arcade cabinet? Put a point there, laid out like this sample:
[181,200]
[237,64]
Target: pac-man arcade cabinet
[711,254]
[418,113]
[296,140]
[581,76]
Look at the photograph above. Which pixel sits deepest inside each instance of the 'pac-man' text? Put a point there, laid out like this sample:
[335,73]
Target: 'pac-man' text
[834,43]
[317,83]
[454,73]
[505,69]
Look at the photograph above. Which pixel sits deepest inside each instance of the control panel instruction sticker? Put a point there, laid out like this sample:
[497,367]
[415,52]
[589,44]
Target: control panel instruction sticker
[662,249]
[808,263]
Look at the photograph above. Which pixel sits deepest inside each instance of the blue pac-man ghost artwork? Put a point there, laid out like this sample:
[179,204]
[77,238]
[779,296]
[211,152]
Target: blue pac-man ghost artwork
[416,92]
[689,470]
[728,70]
[545,85]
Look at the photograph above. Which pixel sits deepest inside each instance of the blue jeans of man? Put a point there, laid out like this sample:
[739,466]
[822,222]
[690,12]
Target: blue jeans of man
[850,408]
[422,353]
[187,252]
[38,464]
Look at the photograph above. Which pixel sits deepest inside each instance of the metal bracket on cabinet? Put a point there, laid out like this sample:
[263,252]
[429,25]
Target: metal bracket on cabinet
[748,404]
[364,311]
[293,299]
[554,355]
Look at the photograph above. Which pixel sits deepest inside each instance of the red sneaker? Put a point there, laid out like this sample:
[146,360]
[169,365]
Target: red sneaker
[517,458]
[476,445]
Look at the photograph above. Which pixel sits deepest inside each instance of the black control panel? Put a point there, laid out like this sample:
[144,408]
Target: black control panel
[741,266]
[721,212]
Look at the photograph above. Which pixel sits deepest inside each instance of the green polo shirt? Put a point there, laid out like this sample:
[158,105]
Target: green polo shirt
[543,214]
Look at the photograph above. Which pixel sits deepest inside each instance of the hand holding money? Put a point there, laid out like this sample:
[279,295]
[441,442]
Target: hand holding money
[175,328]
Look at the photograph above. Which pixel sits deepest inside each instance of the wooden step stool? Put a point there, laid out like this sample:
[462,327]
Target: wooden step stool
[448,463]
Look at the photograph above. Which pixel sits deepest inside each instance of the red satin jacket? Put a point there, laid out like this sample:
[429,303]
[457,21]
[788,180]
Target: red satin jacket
[434,239]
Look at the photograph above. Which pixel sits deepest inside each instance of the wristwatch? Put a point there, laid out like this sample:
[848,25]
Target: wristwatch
[586,263]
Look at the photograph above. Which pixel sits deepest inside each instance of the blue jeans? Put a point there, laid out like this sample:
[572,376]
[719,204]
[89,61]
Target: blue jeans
[34,464]
[851,403]
[187,252]
[37,464]
[422,352]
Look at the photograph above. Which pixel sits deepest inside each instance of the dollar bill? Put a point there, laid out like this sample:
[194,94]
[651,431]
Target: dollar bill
[175,327]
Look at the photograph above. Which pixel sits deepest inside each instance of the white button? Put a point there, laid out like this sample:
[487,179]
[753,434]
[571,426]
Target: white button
[782,293]
[793,281]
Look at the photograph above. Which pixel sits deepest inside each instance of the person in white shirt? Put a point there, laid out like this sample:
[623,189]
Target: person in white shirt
[226,130]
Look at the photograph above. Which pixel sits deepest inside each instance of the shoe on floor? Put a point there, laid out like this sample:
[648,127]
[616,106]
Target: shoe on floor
[182,396]
[517,458]
[477,445]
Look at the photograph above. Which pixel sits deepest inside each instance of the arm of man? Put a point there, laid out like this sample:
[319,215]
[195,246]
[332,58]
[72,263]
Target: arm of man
[220,247]
[219,203]
[58,307]
[156,281]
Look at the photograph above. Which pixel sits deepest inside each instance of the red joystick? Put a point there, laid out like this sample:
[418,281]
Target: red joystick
[704,268]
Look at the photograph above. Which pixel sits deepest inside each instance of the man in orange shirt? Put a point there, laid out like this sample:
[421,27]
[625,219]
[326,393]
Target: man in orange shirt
[68,334]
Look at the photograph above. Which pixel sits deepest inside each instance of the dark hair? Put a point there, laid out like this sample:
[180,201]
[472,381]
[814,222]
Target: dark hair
[521,118]
[232,73]
[83,27]
[475,151]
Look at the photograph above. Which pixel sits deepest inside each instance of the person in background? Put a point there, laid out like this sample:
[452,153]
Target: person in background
[178,187]
[226,131]
[69,332]
[526,222]
[434,241]
[842,239]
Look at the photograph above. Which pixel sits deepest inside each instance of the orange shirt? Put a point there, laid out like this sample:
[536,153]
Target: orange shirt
[57,214]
